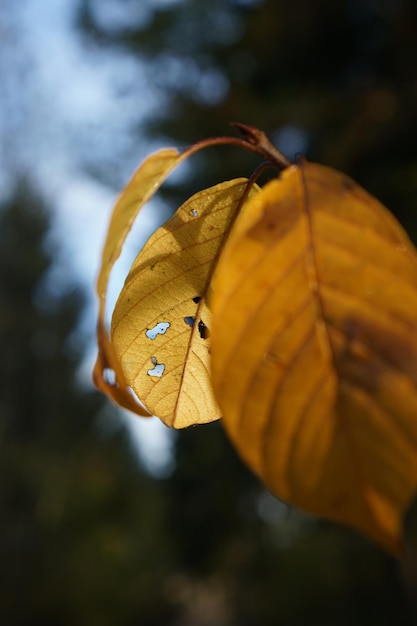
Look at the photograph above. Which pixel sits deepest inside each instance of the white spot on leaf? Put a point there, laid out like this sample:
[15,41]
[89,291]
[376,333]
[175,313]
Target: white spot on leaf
[159,329]
[109,376]
[158,368]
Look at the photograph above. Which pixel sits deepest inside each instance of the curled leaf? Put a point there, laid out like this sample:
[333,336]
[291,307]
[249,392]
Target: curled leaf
[314,339]
[161,323]
[107,375]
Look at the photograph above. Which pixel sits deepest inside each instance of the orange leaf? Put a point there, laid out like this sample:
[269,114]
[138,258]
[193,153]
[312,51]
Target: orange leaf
[314,349]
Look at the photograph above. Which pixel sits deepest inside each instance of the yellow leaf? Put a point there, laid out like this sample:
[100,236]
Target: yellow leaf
[161,322]
[314,340]
[108,375]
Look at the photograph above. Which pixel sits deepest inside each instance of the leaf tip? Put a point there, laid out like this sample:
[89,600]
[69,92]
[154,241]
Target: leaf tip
[261,144]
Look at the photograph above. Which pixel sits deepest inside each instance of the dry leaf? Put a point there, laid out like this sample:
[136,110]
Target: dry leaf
[108,375]
[314,320]
[161,322]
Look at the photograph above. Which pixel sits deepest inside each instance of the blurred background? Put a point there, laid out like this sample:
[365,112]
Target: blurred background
[112,520]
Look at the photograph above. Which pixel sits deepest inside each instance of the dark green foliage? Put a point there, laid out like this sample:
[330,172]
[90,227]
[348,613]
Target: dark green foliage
[218,497]
[341,73]
[255,563]
[80,523]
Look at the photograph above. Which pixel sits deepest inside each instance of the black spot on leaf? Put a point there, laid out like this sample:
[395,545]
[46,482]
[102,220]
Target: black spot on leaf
[203,330]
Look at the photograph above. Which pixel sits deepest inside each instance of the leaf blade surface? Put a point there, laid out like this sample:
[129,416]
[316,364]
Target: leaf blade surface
[108,375]
[315,351]
[161,322]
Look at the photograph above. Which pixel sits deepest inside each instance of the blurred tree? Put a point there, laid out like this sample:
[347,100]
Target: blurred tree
[80,523]
[337,81]
[246,559]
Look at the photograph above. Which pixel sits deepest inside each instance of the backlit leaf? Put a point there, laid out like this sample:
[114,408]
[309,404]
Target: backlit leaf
[161,323]
[108,375]
[314,338]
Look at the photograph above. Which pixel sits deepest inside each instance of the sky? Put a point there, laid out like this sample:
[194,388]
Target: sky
[68,116]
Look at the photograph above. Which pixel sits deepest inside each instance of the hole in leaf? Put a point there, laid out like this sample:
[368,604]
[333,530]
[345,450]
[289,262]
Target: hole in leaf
[158,368]
[109,376]
[190,320]
[159,329]
[194,213]
[197,299]
[203,330]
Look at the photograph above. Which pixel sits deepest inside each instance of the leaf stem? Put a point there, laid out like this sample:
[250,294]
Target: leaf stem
[252,139]
[260,142]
